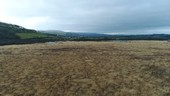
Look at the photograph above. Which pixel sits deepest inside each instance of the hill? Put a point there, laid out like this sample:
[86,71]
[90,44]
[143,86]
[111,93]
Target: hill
[73,34]
[14,34]
[10,31]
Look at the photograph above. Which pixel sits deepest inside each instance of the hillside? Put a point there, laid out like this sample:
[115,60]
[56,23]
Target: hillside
[10,31]
[14,34]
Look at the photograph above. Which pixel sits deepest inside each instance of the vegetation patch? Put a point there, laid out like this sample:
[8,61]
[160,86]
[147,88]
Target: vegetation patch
[31,35]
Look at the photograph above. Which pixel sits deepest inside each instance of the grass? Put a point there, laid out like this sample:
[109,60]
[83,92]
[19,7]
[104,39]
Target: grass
[31,35]
[133,68]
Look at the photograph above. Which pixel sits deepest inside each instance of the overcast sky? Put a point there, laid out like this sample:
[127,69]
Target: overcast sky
[102,16]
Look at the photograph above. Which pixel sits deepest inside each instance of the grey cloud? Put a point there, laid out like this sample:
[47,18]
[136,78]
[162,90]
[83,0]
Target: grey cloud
[124,16]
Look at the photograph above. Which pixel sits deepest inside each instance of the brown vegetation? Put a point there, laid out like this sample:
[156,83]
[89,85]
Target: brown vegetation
[134,68]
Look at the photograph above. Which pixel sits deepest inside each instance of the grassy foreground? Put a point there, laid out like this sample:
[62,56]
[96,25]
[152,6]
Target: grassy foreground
[134,68]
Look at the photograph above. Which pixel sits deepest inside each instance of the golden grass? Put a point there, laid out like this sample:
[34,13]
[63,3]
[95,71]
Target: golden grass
[134,68]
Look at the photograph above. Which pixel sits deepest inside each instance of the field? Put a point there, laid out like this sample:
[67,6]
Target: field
[132,68]
[31,35]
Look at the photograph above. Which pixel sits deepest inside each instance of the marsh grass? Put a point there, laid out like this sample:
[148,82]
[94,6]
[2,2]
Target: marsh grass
[133,68]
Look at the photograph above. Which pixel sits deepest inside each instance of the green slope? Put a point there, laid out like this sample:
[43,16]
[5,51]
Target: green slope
[10,31]
[31,35]
[14,34]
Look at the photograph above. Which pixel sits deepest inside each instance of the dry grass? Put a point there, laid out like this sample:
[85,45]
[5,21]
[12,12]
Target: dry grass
[138,68]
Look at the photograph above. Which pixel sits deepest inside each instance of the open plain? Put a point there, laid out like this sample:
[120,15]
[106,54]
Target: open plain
[132,68]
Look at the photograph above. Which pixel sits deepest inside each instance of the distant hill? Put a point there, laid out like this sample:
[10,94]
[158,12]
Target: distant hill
[54,32]
[73,34]
[14,34]
[141,37]
[78,36]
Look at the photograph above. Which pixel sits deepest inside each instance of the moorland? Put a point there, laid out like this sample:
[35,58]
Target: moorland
[131,68]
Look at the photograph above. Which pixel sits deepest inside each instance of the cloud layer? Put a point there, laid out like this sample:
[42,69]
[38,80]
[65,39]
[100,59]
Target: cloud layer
[103,16]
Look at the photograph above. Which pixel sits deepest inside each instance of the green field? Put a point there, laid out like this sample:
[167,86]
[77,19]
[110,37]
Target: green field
[31,35]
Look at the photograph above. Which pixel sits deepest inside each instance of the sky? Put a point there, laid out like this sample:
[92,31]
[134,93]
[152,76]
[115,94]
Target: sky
[100,16]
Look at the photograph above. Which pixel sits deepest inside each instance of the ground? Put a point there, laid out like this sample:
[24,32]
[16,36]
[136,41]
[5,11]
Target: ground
[132,68]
